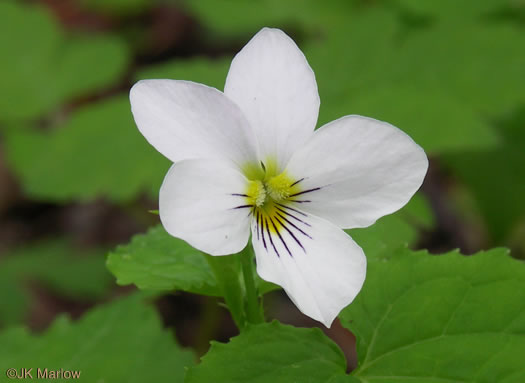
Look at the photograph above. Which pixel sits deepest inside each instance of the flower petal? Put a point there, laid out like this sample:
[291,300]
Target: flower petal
[319,266]
[185,120]
[355,170]
[197,203]
[275,87]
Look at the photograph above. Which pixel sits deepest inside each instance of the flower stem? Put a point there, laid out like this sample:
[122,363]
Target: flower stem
[253,308]
[227,273]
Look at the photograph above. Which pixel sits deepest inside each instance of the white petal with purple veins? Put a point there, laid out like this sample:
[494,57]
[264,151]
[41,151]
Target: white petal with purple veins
[319,266]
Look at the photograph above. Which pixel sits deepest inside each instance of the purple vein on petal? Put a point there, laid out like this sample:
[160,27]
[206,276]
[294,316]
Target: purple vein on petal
[262,232]
[271,240]
[280,237]
[296,182]
[292,209]
[241,207]
[293,225]
[291,234]
[293,216]
[305,191]
[257,224]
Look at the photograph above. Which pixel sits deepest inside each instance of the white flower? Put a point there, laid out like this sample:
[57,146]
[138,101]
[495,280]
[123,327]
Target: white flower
[249,158]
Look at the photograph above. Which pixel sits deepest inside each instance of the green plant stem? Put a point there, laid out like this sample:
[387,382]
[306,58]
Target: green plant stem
[227,273]
[253,307]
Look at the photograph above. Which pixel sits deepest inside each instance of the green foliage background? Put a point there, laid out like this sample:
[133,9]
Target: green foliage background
[449,73]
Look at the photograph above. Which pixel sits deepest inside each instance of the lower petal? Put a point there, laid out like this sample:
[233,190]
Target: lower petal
[199,202]
[319,266]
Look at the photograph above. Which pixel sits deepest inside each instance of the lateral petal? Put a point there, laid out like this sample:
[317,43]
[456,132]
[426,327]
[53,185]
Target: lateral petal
[356,169]
[199,203]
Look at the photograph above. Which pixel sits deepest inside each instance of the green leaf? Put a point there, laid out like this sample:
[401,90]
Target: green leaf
[272,352]
[426,83]
[158,261]
[397,104]
[496,178]
[79,275]
[75,74]
[447,318]
[451,9]
[103,345]
[396,230]
[99,152]
[42,67]
[344,379]
[238,17]
[390,232]
[457,55]
[38,38]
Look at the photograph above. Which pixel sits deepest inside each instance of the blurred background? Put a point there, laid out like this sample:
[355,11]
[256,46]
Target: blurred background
[77,178]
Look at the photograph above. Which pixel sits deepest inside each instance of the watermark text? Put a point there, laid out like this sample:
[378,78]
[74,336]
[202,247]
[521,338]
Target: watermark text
[41,373]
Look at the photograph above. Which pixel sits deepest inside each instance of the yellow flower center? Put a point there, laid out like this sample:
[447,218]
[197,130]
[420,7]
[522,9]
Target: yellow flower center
[256,193]
[270,195]
[278,188]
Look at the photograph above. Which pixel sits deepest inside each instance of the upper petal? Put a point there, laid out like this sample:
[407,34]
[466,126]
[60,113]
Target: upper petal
[197,203]
[358,169]
[319,266]
[275,87]
[184,120]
